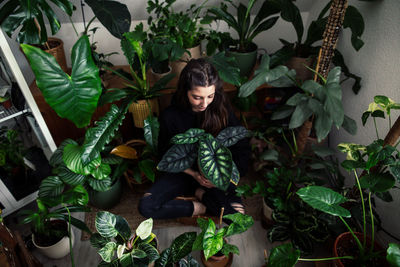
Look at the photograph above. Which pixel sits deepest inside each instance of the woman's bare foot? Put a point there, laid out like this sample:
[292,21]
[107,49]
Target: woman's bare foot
[198,208]
[199,193]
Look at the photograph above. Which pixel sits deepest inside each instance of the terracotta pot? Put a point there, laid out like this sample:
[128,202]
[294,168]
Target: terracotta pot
[58,250]
[140,110]
[217,261]
[297,63]
[345,241]
[7,104]
[177,66]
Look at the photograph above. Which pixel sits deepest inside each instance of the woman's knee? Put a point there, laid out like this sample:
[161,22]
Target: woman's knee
[146,206]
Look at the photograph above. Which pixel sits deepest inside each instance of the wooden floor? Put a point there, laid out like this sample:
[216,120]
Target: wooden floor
[251,245]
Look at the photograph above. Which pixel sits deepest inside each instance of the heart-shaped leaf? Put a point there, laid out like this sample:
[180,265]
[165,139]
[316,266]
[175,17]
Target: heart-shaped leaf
[51,186]
[231,135]
[178,158]
[109,225]
[144,229]
[107,252]
[191,136]
[73,97]
[324,199]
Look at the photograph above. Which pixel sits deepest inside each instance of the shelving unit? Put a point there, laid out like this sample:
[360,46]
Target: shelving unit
[8,201]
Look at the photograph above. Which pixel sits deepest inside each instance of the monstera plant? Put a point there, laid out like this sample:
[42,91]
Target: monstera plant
[117,247]
[214,159]
[74,96]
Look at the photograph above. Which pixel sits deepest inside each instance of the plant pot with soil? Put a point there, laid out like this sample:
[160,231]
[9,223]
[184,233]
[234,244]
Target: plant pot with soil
[246,29]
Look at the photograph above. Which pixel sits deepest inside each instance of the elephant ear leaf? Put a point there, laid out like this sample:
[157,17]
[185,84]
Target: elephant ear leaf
[97,137]
[72,97]
[231,135]
[215,162]
[178,158]
[191,136]
[109,225]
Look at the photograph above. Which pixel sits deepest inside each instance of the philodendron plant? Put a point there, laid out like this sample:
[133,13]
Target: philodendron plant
[214,159]
[212,241]
[118,247]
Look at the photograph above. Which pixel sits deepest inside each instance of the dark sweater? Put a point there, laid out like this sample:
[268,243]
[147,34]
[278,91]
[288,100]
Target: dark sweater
[174,120]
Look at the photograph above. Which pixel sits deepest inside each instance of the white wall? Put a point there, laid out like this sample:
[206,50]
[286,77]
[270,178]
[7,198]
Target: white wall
[378,65]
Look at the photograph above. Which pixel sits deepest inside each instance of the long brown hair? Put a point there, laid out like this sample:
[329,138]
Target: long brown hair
[200,72]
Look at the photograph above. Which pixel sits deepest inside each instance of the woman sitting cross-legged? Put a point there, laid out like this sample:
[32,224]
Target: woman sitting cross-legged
[199,102]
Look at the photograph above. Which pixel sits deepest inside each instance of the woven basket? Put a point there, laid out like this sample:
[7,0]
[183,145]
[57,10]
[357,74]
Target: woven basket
[140,110]
[58,52]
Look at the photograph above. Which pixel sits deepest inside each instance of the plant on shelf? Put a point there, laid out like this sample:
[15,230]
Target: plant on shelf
[245,29]
[171,32]
[179,249]
[212,241]
[380,169]
[214,159]
[12,151]
[118,247]
[307,48]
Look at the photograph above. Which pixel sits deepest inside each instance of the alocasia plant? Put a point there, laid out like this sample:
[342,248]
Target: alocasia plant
[213,157]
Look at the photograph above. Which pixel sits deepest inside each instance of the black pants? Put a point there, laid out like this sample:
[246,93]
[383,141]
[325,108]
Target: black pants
[161,203]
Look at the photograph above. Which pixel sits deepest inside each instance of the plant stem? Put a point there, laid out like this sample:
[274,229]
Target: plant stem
[287,142]
[376,129]
[73,26]
[363,206]
[390,122]
[328,259]
[372,224]
[363,209]
[354,236]
[70,237]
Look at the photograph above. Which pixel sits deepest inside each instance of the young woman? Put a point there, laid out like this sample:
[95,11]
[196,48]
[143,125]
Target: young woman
[199,102]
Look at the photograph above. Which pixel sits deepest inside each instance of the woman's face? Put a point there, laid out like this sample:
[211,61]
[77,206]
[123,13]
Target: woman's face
[200,97]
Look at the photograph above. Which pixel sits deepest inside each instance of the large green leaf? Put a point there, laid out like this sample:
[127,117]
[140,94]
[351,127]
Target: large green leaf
[378,182]
[151,252]
[333,102]
[72,159]
[56,158]
[107,252]
[99,185]
[212,242]
[324,199]
[147,166]
[73,97]
[226,67]
[113,15]
[178,158]
[393,254]
[51,186]
[191,136]
[97,137]
[215,162]
[69,177]
[283,255]
[301,113]
[231,135]
[278,233]
[182,245]
[228,248]
[109,225]
[291,13]
[240,223]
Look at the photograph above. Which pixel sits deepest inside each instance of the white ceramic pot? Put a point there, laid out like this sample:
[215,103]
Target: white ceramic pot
[59,249]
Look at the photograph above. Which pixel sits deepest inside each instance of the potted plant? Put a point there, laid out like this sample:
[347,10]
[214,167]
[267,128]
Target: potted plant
[174,33]
[5,100]
[215,249]
[304,52]
[12,152]
[180,247]
[51,223]
[380,170]
[118,246]
[213,156]
[243,49]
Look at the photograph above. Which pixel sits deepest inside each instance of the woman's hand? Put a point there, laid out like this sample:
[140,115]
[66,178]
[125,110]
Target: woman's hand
[199,178]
